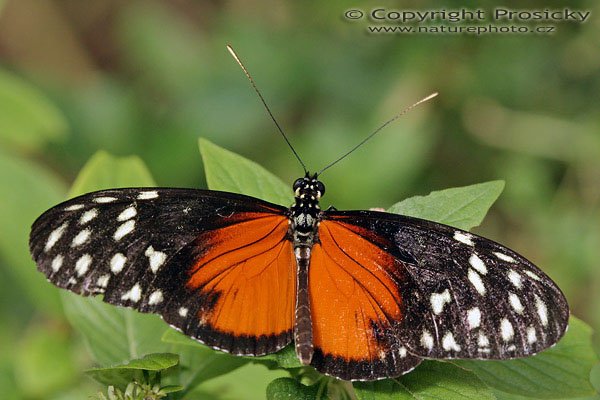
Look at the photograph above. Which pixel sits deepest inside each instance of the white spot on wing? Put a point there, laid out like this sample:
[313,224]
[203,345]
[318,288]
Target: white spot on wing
[81,238]
[134,294]
[515,303]
[117,262]
[104,199]
[155,298]
[83,264]
[515,279]
[478,264]
[127,213]
[448,342]
[57,263]
[504,257]
[438,300]
[476,281]
[103,281]
[183,312]
[74,207]
[483,341]
[124,229]
[541,310]
[427,340]
[533,276]
[55,235]
[531,335]
[151,194]
[512,347]
[506,330]
[88,216]
[156,258]
[474,317]
[402,352]
[464,238]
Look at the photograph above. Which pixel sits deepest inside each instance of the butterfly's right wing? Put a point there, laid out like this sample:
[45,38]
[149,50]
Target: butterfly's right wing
[465,296]
[215,265]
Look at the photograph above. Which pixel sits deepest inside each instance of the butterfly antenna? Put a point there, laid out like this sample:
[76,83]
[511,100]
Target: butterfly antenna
[237,59]
[431,96]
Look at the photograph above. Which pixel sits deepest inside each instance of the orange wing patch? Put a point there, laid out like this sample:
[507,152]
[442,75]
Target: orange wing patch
[246,277]
[356,305]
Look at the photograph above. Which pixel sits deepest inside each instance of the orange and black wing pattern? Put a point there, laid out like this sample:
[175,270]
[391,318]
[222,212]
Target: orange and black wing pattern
[242,279]
[357,291]
[215,265]
[463,296]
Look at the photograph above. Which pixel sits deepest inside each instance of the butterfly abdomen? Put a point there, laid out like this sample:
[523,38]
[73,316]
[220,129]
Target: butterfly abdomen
[303,335]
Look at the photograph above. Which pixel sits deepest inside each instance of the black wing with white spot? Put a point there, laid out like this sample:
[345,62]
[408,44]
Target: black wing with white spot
[472,298]
[136,247]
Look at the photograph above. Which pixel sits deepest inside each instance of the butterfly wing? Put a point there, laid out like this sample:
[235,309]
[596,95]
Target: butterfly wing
[467,297]
[357,305]
[215,265]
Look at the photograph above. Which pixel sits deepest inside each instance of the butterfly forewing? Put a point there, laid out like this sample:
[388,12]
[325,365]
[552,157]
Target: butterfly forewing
[161,250]
[470,297]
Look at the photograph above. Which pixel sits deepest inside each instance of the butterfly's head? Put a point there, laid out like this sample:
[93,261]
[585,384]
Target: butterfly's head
[308,188]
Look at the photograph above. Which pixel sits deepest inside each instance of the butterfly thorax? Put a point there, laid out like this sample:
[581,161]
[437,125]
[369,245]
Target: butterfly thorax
[305,213]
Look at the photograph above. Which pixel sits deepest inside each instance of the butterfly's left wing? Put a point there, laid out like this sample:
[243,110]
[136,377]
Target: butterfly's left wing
[465,296]
[215,265]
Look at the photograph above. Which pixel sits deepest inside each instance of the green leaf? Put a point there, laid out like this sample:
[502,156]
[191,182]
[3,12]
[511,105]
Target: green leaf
[285,358]
[461,207]
[430,380]
[150,362]
[113,334]
[27,119]
[104,171]
[174,337]
[201,365]
[248,382]
[560,372]
[230,172]
[288,388]
[28,190]
[121,375]
[171,389]
[199,362]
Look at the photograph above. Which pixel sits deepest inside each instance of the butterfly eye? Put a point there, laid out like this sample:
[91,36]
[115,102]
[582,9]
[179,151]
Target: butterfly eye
[298,183]
[320,187]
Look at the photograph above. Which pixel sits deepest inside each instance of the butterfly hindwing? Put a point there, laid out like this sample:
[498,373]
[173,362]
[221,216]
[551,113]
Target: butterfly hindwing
[188,255]
[468,296]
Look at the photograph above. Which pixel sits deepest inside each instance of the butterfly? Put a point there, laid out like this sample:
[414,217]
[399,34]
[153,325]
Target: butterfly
[363,295]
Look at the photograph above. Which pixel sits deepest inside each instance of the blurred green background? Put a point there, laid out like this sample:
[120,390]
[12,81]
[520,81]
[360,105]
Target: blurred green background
[149,77]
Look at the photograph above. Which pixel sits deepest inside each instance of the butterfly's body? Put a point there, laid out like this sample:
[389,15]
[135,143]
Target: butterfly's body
[305,216]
